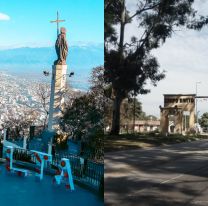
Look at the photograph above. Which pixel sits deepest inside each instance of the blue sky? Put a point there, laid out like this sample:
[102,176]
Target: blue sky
[27,22]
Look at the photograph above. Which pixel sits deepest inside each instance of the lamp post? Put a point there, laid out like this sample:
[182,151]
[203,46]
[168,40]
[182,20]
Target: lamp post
[196,105]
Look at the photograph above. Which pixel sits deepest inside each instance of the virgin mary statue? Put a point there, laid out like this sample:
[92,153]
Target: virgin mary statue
[61,47]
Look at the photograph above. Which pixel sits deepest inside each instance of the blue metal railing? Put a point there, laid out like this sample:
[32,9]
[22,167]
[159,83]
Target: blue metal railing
[85,171]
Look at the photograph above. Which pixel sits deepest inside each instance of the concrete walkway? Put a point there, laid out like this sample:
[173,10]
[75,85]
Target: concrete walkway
[29,191]
[174,175]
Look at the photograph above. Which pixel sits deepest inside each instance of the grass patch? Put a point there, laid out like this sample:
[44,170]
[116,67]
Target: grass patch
[138,141]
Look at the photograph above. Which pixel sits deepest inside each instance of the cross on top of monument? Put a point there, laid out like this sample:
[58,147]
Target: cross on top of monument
[57,21]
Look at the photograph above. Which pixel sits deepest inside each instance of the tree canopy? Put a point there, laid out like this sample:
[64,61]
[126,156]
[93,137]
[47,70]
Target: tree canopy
[203,121]
[84,119]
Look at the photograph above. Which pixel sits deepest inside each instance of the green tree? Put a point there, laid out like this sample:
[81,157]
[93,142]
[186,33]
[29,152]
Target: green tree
[203,121]
[151,117]
[131,109]
[81,116]
[129,65]
[97,87]
[112,10]
[84,116]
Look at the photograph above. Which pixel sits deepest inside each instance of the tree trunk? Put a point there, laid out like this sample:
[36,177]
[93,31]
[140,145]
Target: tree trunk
[116,115]
[134,111]
[122,29]
[118,99]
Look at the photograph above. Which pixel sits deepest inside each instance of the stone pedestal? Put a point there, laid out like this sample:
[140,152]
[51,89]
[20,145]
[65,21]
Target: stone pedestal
[192,118]
[58,84]
[178,122]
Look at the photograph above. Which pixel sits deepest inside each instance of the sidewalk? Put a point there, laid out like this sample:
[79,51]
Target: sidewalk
[175,175]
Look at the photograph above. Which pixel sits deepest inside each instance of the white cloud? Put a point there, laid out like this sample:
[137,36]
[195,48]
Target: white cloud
[4,17]
[184,57]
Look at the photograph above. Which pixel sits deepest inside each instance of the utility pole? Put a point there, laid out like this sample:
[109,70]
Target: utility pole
[134,111]
[196,105]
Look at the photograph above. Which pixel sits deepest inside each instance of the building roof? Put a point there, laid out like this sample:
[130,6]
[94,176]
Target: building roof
[179,94]
[148,122]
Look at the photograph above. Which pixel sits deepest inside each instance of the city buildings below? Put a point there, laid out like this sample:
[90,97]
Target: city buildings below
[19,99]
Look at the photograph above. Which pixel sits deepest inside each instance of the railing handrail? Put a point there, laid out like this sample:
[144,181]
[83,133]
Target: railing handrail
[90,173]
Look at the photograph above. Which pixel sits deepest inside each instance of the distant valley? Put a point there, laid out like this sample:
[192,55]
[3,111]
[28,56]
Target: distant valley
[30,62]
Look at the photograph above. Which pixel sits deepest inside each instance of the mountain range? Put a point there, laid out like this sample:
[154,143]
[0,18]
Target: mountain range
[31,62]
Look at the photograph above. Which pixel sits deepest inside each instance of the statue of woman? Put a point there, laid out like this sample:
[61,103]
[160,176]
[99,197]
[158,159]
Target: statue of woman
[61,48]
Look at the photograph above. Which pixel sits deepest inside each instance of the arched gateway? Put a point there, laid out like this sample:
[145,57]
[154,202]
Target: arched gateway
[178,113]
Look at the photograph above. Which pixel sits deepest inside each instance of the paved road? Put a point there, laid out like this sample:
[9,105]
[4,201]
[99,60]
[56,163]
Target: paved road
[174,175]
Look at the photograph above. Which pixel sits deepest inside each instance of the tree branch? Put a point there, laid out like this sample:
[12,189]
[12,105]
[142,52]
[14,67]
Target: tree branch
[142,10]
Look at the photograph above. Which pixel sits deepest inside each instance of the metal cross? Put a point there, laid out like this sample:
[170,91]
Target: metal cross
[57,21]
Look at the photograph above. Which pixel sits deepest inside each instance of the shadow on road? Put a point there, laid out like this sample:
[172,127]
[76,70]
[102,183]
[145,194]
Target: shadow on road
[174,175]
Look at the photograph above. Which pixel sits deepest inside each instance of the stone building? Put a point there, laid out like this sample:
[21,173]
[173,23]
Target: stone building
[147,125]
[141,126]
[178,113]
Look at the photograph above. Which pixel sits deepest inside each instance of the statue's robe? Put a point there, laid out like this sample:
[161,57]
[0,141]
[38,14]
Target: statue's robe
[61,49]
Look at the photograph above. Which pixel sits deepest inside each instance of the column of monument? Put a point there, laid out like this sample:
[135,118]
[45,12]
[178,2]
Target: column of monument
[58,81]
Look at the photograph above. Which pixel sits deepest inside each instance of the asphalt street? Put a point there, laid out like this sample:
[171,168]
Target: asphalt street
[175,175]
